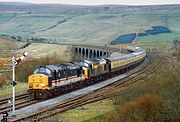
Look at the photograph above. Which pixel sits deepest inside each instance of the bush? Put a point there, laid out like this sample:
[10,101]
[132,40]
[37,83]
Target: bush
[25,69]
[143,109]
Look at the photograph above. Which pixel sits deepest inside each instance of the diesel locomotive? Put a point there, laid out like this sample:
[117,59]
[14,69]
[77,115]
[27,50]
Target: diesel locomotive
[51,80]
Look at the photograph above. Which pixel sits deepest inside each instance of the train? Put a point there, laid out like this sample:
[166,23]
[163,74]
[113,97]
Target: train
[52,80]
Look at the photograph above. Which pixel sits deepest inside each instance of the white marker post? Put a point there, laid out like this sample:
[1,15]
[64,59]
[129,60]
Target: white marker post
[14,63]
[13,83]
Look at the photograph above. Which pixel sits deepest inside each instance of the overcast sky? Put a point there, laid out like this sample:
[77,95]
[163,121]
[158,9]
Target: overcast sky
[99,2]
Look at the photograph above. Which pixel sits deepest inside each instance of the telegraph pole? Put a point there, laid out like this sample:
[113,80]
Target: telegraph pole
[14,63]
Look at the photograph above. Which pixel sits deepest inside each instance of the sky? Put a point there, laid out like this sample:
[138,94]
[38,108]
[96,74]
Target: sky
[100,2]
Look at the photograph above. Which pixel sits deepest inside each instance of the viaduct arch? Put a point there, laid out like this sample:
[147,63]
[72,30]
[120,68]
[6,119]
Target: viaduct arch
[91,52]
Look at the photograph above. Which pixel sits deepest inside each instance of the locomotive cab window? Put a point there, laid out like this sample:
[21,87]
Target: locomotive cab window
[79,72]
[42,70]
[105,67]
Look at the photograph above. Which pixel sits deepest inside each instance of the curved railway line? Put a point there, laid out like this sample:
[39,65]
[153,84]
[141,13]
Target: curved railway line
[150,68]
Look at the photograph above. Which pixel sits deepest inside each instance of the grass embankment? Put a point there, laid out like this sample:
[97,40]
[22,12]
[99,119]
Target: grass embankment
[6,44]
[7,90]
[39,50]
[157,100]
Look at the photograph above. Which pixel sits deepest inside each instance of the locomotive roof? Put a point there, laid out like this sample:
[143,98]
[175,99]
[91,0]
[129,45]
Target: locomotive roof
[63,66]
[114,58]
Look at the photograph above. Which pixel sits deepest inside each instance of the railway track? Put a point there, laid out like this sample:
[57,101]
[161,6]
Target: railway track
[148,70]
[19,96]
[22,100]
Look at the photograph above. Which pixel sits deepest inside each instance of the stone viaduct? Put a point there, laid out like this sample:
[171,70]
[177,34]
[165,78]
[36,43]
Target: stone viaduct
[92,52]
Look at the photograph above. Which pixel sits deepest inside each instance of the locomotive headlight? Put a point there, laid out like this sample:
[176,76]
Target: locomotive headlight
[30,85]
[43,85]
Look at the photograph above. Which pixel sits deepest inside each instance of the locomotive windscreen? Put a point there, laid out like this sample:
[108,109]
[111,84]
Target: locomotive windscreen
[42,70]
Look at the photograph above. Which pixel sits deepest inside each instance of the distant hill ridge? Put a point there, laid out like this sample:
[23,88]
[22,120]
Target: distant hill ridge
[76,9]
[14,3]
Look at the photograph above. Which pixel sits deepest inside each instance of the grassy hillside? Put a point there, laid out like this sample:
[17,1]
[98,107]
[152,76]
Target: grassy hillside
[95,25]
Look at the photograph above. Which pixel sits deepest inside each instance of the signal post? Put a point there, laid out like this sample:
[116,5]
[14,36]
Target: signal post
[14,63]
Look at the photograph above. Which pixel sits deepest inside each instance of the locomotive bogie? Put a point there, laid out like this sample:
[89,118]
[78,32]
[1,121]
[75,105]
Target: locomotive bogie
[38,93]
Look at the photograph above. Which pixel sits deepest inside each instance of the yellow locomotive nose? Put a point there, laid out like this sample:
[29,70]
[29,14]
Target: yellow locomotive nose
[38,81]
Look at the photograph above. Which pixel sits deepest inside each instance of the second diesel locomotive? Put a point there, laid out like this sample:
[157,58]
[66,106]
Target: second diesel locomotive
[51,80]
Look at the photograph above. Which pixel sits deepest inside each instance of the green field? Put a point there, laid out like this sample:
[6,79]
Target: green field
[91,25]
[6,44]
